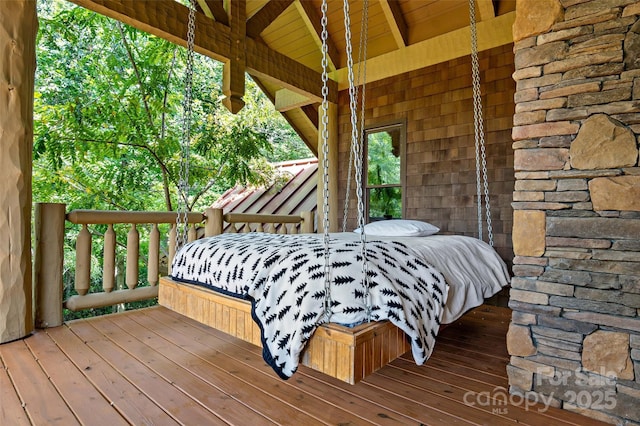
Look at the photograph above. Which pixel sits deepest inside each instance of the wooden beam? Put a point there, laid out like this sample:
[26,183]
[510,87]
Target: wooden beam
[234,68]
[311,19]
[287,100]
[485,10]
[168,19]
[396,21]
[215,9]
[311,111]
[491,33]
[270,65]
[265,16]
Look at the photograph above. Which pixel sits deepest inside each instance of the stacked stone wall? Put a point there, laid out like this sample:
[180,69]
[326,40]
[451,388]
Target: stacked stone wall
[575,331]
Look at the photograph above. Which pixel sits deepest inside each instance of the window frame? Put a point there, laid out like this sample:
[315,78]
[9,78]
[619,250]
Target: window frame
[400,125]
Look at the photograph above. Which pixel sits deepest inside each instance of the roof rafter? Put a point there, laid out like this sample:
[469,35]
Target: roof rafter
[265,16]
[397,23]
[311,19]
[168,19]
[215,9]
[486,9]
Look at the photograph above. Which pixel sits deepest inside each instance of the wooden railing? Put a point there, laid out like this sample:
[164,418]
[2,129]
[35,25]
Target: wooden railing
[49,249]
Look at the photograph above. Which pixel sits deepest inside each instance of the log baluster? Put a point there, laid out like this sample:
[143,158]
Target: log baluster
[246,228]
[173,235]
[192,234]
[133,251]
[109,260]
[260,228]
[83,261]
[153,274]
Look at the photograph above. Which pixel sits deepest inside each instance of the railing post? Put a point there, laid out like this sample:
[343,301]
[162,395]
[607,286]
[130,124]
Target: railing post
[307,222]
[49,252]
[214,222]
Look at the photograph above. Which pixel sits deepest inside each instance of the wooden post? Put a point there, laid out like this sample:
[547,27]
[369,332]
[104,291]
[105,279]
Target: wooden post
[332,113]
[307,222]
[234,69]
[18,29]
[49,256]
[214,223]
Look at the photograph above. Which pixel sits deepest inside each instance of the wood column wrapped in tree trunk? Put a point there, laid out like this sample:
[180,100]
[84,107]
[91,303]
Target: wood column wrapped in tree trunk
[18,28]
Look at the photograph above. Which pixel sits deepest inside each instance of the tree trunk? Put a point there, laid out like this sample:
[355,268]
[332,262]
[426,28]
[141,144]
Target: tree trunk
[18,29]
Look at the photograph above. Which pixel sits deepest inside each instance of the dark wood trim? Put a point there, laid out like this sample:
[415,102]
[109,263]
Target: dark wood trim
[168,19]
[265,16]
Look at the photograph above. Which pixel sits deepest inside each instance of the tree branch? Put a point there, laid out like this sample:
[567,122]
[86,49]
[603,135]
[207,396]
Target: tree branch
[137,72]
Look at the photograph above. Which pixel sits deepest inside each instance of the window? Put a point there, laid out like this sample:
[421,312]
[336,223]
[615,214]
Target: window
[384,166]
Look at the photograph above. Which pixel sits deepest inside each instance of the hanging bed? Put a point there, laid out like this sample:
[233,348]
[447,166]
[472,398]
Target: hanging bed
[269,290]
[343,304]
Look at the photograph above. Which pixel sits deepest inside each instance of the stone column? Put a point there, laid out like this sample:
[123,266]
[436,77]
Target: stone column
[575,293]
[18,28]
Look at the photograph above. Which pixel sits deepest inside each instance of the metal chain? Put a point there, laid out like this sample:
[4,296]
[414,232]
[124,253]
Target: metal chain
[356,145]
[325,162]
[481,155]
[356,150]
[362,60]
[182,219]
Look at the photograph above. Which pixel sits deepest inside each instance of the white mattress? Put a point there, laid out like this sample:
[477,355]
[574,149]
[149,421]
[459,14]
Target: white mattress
[472,268]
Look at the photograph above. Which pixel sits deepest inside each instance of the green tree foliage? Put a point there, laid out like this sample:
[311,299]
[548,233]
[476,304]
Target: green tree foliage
[108,126]
[108,119]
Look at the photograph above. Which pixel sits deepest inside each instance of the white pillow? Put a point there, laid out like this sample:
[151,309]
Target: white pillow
[399,228]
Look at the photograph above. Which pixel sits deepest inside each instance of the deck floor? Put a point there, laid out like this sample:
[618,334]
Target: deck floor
[153,366]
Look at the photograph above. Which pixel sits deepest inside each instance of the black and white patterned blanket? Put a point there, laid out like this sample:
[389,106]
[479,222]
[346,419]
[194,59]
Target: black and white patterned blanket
[283,276]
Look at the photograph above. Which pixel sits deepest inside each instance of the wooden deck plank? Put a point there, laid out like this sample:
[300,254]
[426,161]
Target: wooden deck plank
[152,366]
[134,405]
[80,395]
[338,393]
[243,363]
[210,368]
[41,401]
[175,402]
[11,411]
[411,412]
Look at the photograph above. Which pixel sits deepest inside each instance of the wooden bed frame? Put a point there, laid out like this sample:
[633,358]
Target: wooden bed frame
[348,354]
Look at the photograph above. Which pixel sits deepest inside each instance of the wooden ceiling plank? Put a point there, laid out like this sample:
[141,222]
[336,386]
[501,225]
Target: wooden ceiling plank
[491,33]
[234,68]
[265,16]
[397,23]
[168,19]
[311,20]
[485,9]
[216,8]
